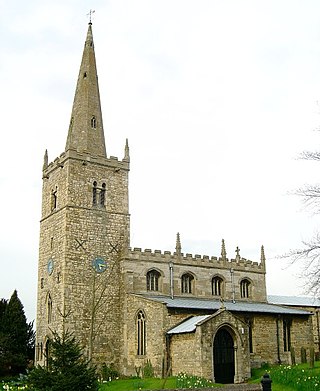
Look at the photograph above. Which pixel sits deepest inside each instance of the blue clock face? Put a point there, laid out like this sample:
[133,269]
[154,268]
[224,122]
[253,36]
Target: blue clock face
[99,265]
[50,266]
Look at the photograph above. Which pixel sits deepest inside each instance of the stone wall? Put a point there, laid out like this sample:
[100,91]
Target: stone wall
[156,327]
[185,354]
[192,352]
[202,268]
[73,232]
[268,339]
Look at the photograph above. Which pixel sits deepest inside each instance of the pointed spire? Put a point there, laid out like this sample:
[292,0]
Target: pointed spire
[86,128]
[178,244]
[223,250]
[45,160]
[126,152]
[262,257]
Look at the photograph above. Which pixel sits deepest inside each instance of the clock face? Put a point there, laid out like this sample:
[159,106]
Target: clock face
[99,265]
[50,266]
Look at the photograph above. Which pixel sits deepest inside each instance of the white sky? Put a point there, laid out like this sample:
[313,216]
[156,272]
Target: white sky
[217,99]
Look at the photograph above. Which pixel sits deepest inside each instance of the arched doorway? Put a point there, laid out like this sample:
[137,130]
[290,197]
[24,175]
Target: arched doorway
[223,357]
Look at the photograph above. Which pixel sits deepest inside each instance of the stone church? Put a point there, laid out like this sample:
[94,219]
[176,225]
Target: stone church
[128,307]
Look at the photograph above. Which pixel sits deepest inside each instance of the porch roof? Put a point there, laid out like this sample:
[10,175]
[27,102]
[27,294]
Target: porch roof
[193,303]
[189,325]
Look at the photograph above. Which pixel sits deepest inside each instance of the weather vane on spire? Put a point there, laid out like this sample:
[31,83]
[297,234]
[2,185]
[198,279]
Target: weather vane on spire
[90,14]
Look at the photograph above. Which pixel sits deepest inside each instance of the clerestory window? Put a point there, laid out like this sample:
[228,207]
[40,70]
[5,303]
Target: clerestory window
[245,289]
[153,277]
[217,286]
[187,282]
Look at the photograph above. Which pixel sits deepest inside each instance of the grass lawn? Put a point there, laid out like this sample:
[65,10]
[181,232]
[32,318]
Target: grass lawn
[138,384]
[142,384]
[284,378]
[291,378]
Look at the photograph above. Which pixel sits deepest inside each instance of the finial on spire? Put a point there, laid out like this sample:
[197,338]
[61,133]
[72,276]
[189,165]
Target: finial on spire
[262,257]
[126,152]
[90,15]
[223,250]
[45,160]
[178,244]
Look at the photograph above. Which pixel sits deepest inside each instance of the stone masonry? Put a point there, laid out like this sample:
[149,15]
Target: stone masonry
[130,308]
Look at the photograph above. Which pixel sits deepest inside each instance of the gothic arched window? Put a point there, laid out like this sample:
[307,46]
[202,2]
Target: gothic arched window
[49,309]
[141,334]
[153,277]
[187,282]
[217,286]
[245,288]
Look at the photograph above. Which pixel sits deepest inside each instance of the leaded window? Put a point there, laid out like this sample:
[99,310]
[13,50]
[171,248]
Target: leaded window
[141,334]
[153,277]
[187,283]
[245,287]
[217,286]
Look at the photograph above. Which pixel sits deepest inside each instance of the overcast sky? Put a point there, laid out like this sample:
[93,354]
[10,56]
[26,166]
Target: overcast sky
[217,99]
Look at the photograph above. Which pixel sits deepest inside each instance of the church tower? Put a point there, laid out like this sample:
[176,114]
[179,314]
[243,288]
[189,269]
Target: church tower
[84,229]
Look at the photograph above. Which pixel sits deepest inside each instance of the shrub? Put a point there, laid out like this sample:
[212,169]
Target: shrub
[109,372]
[66,370]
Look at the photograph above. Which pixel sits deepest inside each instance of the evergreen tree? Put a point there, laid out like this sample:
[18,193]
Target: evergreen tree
[66,369]
[15,337]
[3,306]
[31,341]
[3,337]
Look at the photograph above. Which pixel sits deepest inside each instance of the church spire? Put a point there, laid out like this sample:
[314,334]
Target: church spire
[86,128]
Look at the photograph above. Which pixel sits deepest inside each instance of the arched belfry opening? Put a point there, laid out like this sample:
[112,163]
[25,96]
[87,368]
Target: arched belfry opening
[224,356]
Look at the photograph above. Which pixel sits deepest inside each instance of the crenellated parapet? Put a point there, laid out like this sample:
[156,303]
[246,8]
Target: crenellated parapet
[204,272]
[178,258]
[84,159]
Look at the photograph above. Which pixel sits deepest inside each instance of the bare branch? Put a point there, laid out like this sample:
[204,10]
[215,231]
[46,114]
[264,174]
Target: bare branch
[310,196]
[310,257]
[310,155]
